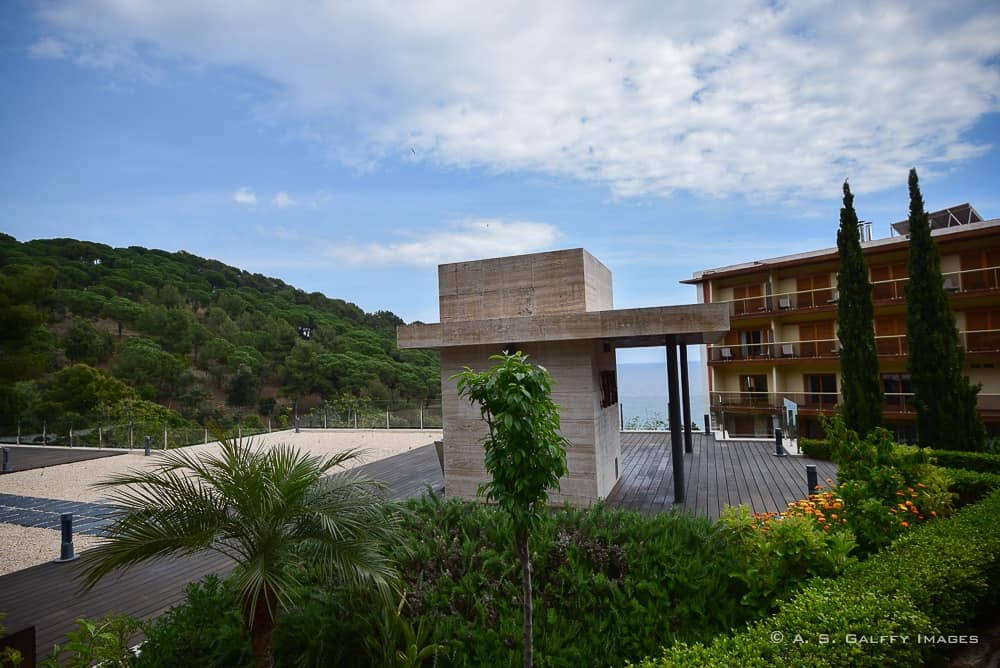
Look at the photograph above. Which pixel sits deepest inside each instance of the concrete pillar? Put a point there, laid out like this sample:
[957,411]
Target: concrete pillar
[686,398]
[674,408]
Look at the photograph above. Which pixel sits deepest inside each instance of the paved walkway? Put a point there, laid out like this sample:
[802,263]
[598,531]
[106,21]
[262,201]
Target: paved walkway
[30,511]
[27,457]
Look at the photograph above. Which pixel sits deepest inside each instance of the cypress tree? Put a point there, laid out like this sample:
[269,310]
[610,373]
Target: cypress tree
[947,415]
[860,389]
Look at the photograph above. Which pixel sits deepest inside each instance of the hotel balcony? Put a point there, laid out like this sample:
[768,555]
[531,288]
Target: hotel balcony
[898,404]
[969,282]
[978,341]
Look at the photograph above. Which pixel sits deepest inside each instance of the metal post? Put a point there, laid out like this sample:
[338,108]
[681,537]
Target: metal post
[18,441]
[164,435]
[387,417]
[324,418]
[66,547]
[206,435]
[100,436]
[421,416]
[686,399]
[149,445]
[45,434]
[674,410]
[355,418]
[621,416]
[708,424]
[812,478]
[269,424]
[779,447]
[6,461]
[71,437]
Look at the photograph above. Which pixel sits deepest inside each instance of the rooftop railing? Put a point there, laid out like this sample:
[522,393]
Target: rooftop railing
[892,402]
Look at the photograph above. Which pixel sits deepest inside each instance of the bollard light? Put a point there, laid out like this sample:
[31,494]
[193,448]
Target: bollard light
[6,461]
[149,445]
[812,479]
[779,447]
[66,552]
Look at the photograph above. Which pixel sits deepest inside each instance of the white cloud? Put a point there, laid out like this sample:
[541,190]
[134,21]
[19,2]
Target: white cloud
[770,100]
[464,240]
[282,199]
[48,48]
[245,196]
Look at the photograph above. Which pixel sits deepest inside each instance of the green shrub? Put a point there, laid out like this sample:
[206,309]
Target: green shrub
[970,486]
[776,558]
[608,584]
[970,461]
[815,448]
[206,630]
[931,582]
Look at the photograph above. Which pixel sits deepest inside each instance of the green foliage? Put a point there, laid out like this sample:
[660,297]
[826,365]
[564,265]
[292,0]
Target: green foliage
[609,584]
[930,583]
[886,488]
[525,453]
[82,389]
[970,486]
[776,558]
[191,312]
[207,630]
[815,448]
[972,461]
[947,411]
[271,510]
[8,655]
[861,390]
[105,642]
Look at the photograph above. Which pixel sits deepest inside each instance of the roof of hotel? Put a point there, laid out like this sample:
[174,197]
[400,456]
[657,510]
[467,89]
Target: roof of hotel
[888,243]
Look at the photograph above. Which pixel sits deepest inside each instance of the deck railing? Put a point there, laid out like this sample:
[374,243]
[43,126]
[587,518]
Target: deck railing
[892,402]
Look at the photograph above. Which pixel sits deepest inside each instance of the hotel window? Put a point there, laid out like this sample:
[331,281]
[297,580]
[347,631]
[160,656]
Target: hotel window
[888,281]
[754,387]
[821,390]
[895,385]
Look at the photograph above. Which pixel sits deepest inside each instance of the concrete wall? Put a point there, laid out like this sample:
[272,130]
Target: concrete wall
[592,430]
[568,281]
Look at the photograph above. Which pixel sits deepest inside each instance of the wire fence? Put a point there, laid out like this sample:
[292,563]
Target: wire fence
[161,435]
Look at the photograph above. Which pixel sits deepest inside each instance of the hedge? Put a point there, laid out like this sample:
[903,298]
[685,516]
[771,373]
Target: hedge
[891,610]
[815,448]
[970,486]
[970,461]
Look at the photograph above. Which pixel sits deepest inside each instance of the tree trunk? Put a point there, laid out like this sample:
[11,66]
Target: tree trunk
[261,628]
[522,550]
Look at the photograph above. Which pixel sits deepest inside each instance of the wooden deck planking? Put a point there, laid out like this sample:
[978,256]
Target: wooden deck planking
[717,474]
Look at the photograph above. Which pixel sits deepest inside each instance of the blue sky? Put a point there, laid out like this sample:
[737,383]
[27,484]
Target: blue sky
[351,147]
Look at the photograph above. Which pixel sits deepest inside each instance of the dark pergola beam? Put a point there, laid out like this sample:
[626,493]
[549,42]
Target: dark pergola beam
[674,409]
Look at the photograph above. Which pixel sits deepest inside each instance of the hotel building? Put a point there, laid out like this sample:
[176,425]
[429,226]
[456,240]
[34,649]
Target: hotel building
[781,354]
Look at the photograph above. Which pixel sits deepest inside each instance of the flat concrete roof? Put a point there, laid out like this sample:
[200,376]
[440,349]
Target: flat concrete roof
[624,328]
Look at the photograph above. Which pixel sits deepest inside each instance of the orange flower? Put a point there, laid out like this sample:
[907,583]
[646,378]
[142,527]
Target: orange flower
[920,484]
[905,525]
[933,513]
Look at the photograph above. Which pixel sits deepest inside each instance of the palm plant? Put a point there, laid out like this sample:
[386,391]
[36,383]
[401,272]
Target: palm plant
[271,510]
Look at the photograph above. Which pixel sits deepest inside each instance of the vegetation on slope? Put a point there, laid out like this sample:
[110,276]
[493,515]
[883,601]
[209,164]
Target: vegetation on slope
[92,332]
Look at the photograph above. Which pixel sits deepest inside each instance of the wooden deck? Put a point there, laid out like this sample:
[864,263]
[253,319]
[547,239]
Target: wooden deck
[49,596]
[716,474]
[23,458]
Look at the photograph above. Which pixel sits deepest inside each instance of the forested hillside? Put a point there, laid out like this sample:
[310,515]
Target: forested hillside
[91,332]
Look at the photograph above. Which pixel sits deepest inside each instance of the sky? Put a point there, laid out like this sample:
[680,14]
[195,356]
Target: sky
[351,147]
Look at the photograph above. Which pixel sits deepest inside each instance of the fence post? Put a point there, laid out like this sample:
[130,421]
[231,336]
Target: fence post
[387,416]
[71,437]
[269,424]
[18,441]
[164,435]
[66,547]
[206,435]
[421,417]
[355,418]
[100,436]
[131,434]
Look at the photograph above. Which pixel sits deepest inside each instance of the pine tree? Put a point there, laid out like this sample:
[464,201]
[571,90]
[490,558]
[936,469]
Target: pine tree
[947,415]
[860,389]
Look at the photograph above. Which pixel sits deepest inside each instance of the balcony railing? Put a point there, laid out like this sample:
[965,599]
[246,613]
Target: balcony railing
[892,402]
[974,341]
[968,280]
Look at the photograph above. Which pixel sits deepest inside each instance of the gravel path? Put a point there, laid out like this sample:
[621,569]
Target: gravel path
[21,547]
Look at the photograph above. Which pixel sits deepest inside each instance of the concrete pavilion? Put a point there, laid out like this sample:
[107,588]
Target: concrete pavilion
[557,308]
